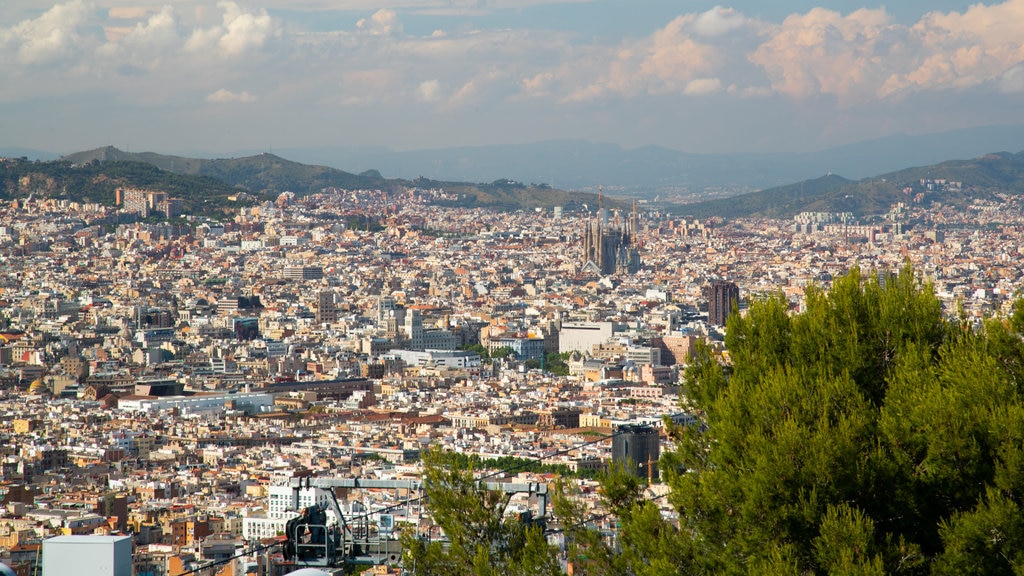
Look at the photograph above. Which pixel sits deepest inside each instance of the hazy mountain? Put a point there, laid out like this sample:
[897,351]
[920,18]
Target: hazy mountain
[96,181]
[262,173]
[27,153]
[267,175]
[647,172]
[655,170]
[781,201]
[965,181]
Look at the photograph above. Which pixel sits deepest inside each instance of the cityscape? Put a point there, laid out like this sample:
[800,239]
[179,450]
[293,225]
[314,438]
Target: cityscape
[511,288]
[172,382]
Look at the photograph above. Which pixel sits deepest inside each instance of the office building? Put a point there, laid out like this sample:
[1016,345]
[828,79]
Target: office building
[723,298]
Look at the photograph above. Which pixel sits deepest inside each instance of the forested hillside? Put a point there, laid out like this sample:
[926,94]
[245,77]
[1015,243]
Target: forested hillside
[97,181]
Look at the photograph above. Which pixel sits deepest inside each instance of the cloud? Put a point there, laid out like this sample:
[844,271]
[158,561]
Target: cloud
[384,22]
[825,52]
[51,39]
[664,62]
[1012,81]
[239,32]
[224,96]
[429,91]
[718,21]
[538,84]
[863,56]
[145,45]
[140,52]
[703,87]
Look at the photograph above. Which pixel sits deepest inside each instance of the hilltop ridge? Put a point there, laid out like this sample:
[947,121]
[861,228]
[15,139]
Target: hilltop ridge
[953,182]
[95,174]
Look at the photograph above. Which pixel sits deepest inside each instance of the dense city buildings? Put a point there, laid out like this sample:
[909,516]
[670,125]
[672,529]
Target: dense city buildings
[172,382]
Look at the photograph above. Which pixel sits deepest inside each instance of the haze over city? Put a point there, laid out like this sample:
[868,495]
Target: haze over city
[421,74]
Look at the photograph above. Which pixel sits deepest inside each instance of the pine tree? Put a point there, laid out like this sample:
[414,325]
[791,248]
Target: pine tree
[479,538]
[867,434]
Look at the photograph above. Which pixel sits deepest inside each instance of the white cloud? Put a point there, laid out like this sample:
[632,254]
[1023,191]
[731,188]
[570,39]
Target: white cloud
[429,91]
[825,52]
[384,22]
[1012,81]
[225,96]
[703,87]
[147,44]
[239,32]
[539,84]
[52,38]
[718,21]
[139,52]
[665,62]
[863,56]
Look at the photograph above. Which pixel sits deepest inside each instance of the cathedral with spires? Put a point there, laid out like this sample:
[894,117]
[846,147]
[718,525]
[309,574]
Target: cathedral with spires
[611,248]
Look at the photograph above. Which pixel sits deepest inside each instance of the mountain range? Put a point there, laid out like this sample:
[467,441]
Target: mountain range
[219,185]
[953,182]
[213,186]
[656,171]
[646,172]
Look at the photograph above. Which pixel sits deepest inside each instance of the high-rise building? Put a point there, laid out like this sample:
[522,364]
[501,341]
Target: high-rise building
[327,307]
[414,329]
[639,447]
[146,202]
[721,297]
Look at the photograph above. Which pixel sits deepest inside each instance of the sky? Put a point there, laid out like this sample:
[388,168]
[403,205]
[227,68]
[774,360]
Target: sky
[750,76]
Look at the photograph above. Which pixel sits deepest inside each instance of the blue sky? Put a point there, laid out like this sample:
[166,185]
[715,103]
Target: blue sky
[413,74]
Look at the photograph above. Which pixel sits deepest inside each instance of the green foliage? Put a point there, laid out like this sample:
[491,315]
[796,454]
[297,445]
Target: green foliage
[481,539]
[866,435]
[508,195]
[97,181]
[515,465]
[555,363]
[479,349]
[503,352]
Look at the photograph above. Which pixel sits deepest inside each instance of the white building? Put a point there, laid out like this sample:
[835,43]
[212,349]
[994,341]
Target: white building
[581,336]
[280,510]
[250,402]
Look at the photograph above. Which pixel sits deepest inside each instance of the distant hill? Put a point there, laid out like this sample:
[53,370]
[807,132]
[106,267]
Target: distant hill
[781,201]
[27,154]
[646,172]
[96,181]
[96,173]
[980,178]
[262,174]
[651,171]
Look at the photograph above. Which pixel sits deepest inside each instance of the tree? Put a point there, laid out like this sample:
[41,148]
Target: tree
[503,352]
[868,434]
[865,435]
[479,349]
[481,539]
[555,363]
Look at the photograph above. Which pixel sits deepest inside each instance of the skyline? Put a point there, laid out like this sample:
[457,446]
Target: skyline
[423,74]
